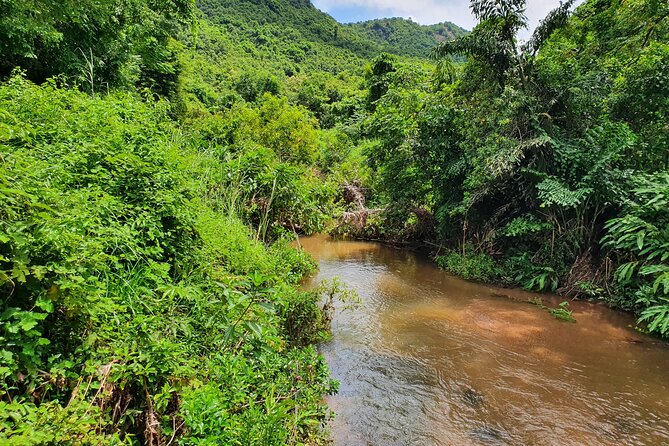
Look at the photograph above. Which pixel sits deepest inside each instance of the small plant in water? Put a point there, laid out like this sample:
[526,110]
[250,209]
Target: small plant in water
[335,290]
[538,302]
[562,312]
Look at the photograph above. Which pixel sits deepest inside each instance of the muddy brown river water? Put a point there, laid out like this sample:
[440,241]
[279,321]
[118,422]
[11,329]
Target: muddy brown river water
[428,359]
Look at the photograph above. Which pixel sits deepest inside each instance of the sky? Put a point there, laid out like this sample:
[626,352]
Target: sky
[425,12]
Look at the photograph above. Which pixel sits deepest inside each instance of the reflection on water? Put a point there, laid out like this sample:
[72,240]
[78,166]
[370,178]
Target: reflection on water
[428,359]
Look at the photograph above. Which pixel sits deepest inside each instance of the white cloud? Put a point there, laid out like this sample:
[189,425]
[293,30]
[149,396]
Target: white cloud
[434,11]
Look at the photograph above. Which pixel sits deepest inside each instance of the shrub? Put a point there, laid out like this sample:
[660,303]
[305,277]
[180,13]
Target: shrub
[478,267]
[641,238]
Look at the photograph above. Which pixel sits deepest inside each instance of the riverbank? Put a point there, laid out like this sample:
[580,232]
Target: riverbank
[583,281]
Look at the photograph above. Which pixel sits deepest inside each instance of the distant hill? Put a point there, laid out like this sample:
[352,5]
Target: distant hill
[366,39]
[405,37]
[246,47]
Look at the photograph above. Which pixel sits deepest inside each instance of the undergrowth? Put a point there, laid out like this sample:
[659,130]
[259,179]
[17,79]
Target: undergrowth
[561,312]
[470,266]
[134,309]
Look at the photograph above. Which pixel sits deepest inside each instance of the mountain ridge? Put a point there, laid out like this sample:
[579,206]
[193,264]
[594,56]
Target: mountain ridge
[413,38]
[366,39]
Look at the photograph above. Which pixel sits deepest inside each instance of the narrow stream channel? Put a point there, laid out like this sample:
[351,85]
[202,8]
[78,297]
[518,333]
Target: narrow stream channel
[428,359]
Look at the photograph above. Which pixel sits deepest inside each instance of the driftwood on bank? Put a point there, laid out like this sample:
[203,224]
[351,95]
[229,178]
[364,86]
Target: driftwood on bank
[353,194]
[358,219]
[353,223]
[357,222]
[587,269]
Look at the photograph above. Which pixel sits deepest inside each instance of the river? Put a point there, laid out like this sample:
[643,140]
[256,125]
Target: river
[429,359]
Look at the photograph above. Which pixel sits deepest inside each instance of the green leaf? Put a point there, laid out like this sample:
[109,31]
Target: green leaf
[27,323]
[639,240]
[20,272]
[254,327]
[625,271]
[45,304]
[268,306]
[229,332]
[662,281]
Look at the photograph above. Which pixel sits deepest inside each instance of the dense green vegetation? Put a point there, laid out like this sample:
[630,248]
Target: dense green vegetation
[290,48]
[156,159]
[262,19]
[102,44]
[544,165]
[149,293]
[405,37]
[137,306]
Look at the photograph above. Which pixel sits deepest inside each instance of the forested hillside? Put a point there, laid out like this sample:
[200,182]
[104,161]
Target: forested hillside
[366,39]
[158,158]
[405,37]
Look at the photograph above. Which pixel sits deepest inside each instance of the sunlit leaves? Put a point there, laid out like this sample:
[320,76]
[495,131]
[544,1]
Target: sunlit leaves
[492,9]
[93,43]
[643,235]
[552,192]
[657,317]
[119,270]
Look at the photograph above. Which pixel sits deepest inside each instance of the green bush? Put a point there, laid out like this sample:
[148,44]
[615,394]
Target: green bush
[131,299]
[641,239]
[478,267]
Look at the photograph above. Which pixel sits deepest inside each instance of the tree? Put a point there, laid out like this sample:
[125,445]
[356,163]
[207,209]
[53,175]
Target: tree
[494,39]
[94,43]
